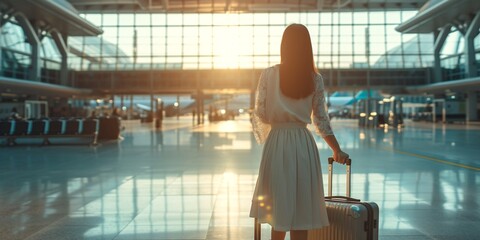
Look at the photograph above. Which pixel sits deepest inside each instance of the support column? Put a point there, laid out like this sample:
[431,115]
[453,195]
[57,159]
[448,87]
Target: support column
[440,38]
[198,101]
[178,107]
[198,98]
[443,104]
[130,112]
[400,111]
[353,114]
[62,47]
[470,60]
[156,113]
[32,37]
[202,108]
[444,112]
[472,103]
[152,108]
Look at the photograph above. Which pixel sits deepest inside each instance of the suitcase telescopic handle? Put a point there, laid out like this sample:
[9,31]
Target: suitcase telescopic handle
[330,175]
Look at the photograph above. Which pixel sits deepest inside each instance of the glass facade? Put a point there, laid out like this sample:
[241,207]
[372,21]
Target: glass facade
[452,55]
[16,54]
[347,39]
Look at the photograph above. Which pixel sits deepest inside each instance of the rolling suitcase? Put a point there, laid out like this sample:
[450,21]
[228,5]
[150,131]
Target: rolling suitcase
[350,219]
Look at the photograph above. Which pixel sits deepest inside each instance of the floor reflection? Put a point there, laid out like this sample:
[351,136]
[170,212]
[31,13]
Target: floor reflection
[188,182]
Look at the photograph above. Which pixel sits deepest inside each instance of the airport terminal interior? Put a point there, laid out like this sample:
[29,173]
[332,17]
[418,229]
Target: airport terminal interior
[131,119]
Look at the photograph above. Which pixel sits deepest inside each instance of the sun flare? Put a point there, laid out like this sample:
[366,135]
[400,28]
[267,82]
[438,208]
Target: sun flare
[227,49]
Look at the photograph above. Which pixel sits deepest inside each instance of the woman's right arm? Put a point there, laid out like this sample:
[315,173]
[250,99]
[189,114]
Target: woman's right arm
[338,155]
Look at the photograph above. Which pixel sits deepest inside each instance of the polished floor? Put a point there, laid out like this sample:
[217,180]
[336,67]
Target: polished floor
[196,182]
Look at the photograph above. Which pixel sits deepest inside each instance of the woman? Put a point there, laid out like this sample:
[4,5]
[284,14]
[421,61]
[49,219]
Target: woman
[289,190]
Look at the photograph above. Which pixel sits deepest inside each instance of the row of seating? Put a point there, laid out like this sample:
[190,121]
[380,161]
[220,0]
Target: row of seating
[12,129]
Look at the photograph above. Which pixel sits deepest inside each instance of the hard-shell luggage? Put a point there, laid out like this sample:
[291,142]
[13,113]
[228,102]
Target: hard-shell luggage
[350,219]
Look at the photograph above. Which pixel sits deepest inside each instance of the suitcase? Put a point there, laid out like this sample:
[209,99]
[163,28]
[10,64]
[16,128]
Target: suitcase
[350,219]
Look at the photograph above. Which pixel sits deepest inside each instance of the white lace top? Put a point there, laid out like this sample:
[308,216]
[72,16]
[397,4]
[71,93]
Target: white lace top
[271,106]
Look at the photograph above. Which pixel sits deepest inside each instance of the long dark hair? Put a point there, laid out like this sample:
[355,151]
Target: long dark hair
[297,64]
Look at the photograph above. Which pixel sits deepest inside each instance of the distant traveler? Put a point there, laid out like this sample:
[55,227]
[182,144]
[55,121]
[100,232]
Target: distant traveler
[93,114]
[193,115]
[14,115]
[159,118]
[289,191]
[116,113]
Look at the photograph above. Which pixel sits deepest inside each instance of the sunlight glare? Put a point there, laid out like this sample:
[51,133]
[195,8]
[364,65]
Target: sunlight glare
[227,126]
[229,177]
[228,48]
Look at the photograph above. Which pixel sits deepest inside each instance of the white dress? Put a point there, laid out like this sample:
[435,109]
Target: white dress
[289,190]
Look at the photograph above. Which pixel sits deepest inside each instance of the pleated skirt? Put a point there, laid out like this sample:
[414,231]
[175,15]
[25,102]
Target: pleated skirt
[289,190]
